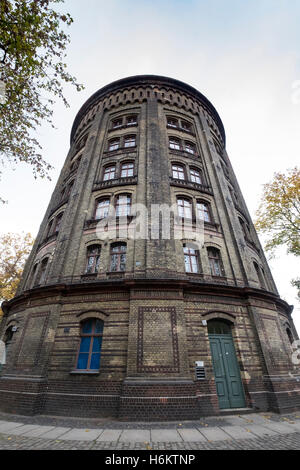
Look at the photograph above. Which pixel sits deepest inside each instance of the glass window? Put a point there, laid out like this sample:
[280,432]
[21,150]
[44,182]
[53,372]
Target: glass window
[203,211]
[195,176]
[117,123]
[189,147]
[127,169]
[102,207]
[129,141]
[118,257]
[93,259]
[218,327]
[172,122]
[215,262]
[109,173]
[184,208]
[178,172]
[89,353]
[174,143]
[131,121]
[42,272]
[58,222]
[69,188]
[185,125]
[259,275]
[123,205]
[114,144]
[190,260]
[49,231]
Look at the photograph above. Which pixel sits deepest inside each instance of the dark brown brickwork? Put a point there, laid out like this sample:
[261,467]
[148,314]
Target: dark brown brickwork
[155,314]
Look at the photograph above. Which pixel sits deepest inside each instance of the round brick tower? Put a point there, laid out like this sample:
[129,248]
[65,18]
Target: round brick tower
[135,322]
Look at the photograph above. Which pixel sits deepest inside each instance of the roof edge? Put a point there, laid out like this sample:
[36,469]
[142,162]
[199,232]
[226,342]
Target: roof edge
[146,79]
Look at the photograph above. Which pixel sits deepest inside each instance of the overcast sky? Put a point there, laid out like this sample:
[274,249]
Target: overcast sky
[243,55]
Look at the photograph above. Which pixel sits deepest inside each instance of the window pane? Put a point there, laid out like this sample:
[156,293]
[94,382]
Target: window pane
[95,361]
[97,344]
[99,326]
[87,326]
[85,344]
[82,361]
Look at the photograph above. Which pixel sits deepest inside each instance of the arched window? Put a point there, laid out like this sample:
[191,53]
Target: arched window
[186,125]
[117,123]
[174,143]
[184,208]
[33,275]
[102,208]
[215,262]
[131,120]
[49,228]
[123,205]
[259,275]
[57,223]
[172,122]
[127,169]
[290,336]
[203,211]
[93,259]
[195,176]
[190,259]
[89,353]
[113,144]
[244,228]
[41,276]
[189,147]
[69,188]
[118,257]
[109,173]
[178,172]
[129,141]
[7,339]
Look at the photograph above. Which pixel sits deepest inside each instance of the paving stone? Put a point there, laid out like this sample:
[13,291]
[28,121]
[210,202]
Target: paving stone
[234,420]
[281,428]
[254,418]
[6,426]
[109,435]
[135,435]
[39,431]
[192,435]
[215,434]
[55,433]
[81,435]
[165,435]
[23,429]
[238,432]
[260,431]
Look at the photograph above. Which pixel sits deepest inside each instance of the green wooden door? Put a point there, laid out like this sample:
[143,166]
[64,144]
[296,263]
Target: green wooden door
[227,373]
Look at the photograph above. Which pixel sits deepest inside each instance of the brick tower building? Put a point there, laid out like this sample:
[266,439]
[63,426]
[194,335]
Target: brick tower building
[134,324]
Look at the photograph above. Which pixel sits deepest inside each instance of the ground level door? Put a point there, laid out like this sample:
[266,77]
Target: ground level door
[226,369]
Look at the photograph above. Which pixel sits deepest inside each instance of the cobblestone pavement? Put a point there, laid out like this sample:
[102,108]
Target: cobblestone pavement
[261,431]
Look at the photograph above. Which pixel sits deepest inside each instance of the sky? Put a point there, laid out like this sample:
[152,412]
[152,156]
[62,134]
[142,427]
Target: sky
[243,55]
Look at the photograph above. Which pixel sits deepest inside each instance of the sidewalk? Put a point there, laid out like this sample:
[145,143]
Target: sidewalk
[251,431]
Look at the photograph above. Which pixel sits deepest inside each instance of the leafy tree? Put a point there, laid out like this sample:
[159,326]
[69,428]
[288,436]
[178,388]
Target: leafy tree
[14,250]
[33,72]
[278,216]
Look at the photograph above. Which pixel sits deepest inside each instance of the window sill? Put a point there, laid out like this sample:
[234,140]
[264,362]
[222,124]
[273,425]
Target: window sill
[84,372]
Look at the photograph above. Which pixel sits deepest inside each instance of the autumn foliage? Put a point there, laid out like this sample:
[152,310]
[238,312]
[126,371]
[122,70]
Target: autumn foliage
[278,216]
[14,250]
[32,74]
